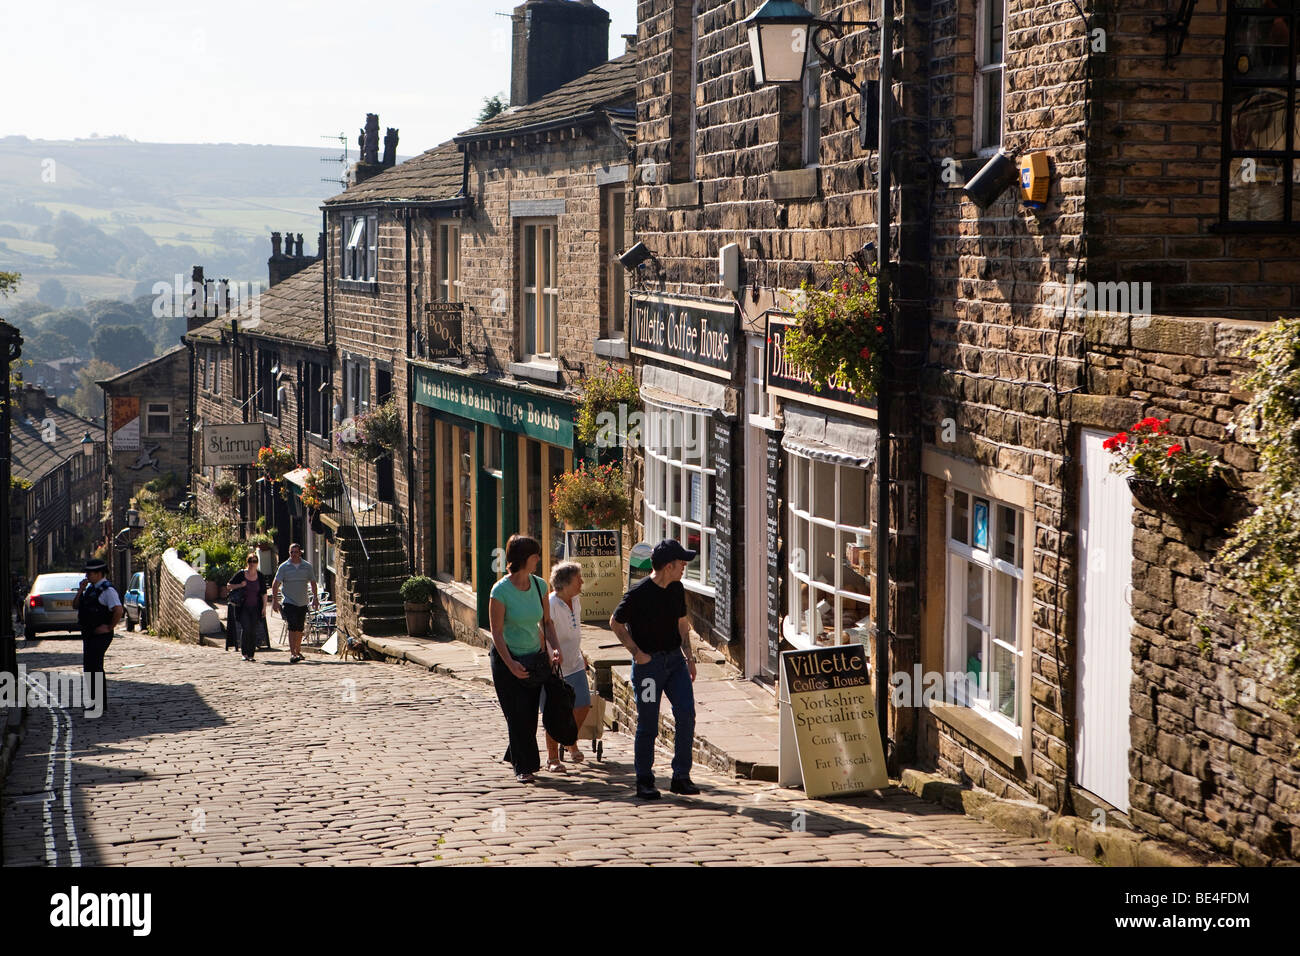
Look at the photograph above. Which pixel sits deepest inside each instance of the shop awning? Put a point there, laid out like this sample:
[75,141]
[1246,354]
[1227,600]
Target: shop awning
[297,477]
[818,451]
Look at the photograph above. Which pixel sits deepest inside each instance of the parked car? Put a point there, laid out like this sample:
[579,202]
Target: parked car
[133,602]
[48,605]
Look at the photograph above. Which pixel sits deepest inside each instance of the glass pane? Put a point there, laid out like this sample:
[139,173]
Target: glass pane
[554,471]
[1002,686]
[823,555]
[533,489]
[975,576]
[696,491]
[466,439]
[530,322]
[980,524]
[974,659]
[823,616]
[1259,48]
[1258,118]
[447,470]
[991,121]
[549,331]
[960,516]
[692,543]
[1008,532]
[823,478]
[993,33]
[798,544]
[530,255]
[854,563]
[1006,600]
[674,491]
[798,468]
[1255,190]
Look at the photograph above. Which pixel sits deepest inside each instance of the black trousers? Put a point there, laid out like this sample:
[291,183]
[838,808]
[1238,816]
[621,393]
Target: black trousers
[250,626]
[93,648]
[519,704]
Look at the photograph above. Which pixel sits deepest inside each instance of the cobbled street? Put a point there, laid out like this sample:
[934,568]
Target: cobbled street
[205,759]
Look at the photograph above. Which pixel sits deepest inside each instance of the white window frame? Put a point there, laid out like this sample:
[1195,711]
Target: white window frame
[615,234]
[664,470]
[356,385]
[759,397]
[962,558]
[449,283]
[987,68]
[155,408]
[532,232]
[800,629]
[360,247]
[812,103]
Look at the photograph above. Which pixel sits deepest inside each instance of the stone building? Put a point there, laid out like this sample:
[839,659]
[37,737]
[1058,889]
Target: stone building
[62,487]
[1023,336]
[476,285]
[263,377]
[149,426]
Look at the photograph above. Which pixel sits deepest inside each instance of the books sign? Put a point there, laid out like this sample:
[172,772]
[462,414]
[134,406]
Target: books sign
[834,714]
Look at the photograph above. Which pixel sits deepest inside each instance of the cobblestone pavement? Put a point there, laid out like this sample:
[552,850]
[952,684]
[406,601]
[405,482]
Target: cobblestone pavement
[205,759]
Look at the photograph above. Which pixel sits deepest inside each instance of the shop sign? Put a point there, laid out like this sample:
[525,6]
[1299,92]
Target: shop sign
[443,326]
[833,710]
[232,445]
[508,409]
[126,423]
[698,335]
[601,555]
[789,381]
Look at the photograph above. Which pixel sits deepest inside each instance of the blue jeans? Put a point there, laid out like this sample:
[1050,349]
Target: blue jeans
[666,673]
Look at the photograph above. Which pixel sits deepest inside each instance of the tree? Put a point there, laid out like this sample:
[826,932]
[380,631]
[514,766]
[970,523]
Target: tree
[492,106]
[88,398]
[120,345]
[76,329]
[52,293]
[47,346]
[8,282]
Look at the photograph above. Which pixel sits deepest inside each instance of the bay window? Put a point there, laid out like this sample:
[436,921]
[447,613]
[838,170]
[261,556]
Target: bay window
[679,486]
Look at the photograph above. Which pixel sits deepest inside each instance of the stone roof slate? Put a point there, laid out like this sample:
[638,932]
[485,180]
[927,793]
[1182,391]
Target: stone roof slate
[436,174]
[290,310]
[32,457]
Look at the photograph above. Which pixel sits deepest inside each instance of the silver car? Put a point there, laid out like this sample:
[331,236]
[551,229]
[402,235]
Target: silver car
[48,605]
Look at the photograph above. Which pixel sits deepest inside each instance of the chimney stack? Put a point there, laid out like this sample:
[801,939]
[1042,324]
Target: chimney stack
[290,261]
[555,41]
[275,245]
[196,300]
[368,140]
[390,148]
[34,402]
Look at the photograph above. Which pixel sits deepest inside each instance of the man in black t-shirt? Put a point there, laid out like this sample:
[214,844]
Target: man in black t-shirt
[652,623]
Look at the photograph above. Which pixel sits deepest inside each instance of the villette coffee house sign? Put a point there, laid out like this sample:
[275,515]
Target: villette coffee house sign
[695,333]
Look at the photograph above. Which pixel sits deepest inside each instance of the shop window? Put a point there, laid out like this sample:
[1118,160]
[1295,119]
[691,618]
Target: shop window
[679,486]
[449,262]
[1261,77]
[829,553]
[990,68]
[540,466]
[985,588]
[614,235]
[360,247]
[158,418]
[541,296]
[454,488]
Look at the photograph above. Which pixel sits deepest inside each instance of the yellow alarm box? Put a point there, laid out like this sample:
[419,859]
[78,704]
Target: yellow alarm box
[1033,178]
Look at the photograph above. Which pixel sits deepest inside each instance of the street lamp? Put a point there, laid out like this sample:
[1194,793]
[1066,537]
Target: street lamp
[87,446]
[781,33]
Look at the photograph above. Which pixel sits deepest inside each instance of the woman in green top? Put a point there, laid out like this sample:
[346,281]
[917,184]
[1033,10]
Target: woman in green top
[519,618]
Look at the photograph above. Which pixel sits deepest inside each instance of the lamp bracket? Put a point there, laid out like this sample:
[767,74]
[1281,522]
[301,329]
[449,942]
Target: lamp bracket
[835,29]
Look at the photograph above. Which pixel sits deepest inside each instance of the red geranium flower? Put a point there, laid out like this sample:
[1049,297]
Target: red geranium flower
[1173,450]
[865,353]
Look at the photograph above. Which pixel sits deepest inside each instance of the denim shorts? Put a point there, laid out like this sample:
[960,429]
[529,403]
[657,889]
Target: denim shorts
[581,689]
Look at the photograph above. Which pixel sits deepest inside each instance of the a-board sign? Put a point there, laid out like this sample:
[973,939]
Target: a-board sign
[601,555]
[723,570]
[834,714]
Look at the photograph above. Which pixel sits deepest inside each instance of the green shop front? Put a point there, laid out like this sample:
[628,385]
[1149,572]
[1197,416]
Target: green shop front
[497,451]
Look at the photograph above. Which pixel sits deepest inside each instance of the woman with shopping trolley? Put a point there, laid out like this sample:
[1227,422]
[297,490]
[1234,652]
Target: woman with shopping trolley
[566,613]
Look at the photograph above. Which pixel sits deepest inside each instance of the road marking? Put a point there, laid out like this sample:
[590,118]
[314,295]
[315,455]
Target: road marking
[58,718]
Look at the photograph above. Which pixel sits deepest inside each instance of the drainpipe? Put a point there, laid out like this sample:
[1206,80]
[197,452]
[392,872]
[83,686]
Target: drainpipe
[410,411]
[880,655]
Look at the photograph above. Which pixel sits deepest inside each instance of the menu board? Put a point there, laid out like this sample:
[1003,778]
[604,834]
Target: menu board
[722,562]
[834,713]
[601,555]
[773,523]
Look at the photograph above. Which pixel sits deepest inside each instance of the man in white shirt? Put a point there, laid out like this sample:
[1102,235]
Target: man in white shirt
[295,576]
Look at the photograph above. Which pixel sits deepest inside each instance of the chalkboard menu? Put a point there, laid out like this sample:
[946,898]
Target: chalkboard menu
[722,563]
[774,561]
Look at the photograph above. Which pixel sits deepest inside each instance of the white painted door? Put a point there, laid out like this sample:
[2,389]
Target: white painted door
[1105,660]
[757,420]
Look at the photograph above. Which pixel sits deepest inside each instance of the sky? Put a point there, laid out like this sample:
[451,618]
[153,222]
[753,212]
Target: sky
[282,72]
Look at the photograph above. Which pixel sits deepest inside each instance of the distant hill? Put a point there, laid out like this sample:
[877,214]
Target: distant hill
[108,217]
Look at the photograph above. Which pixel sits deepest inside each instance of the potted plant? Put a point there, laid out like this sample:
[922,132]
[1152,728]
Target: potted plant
[418,593]
[372,434]
[1164,474]
[610,399]
[838,338]
[226,489]
[273,464]
[264,542]
[594,497]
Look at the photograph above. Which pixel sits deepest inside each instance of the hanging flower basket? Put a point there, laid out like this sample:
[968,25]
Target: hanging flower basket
[1167,477]
[321,487]
[839,338]
[273,464]
[226,490]
[593,497]
[373,434]
[608,404]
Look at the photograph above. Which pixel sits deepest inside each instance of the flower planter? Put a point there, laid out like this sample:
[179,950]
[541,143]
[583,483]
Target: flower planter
[1204,503]
[418,617]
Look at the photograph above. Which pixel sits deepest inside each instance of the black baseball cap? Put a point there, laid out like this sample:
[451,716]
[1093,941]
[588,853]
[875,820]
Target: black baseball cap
[670,550]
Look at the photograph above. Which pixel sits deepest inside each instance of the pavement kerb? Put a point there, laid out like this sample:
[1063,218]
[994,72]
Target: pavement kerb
[1109,846]
[390,653]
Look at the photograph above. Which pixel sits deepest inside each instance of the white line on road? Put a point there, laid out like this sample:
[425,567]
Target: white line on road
[58,717]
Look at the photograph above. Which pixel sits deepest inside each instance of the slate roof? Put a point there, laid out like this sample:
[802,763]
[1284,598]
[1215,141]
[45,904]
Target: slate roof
[437,174]
[123,376]
[32,457]
[602,89]
[289,311]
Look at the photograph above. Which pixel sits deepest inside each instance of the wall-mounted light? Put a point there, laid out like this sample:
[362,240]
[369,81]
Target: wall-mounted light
[635,256]
[87,445]
[997,176]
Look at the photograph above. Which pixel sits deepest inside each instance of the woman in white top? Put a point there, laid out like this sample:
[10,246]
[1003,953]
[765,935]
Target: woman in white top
[566,613]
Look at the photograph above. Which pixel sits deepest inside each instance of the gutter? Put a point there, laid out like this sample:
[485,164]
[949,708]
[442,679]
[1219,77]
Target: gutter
[543,127]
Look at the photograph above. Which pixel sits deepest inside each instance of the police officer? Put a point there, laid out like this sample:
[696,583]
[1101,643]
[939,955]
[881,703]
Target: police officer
[99,610]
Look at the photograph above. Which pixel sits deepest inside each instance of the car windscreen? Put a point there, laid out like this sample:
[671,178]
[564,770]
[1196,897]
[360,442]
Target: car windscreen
[46,583]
